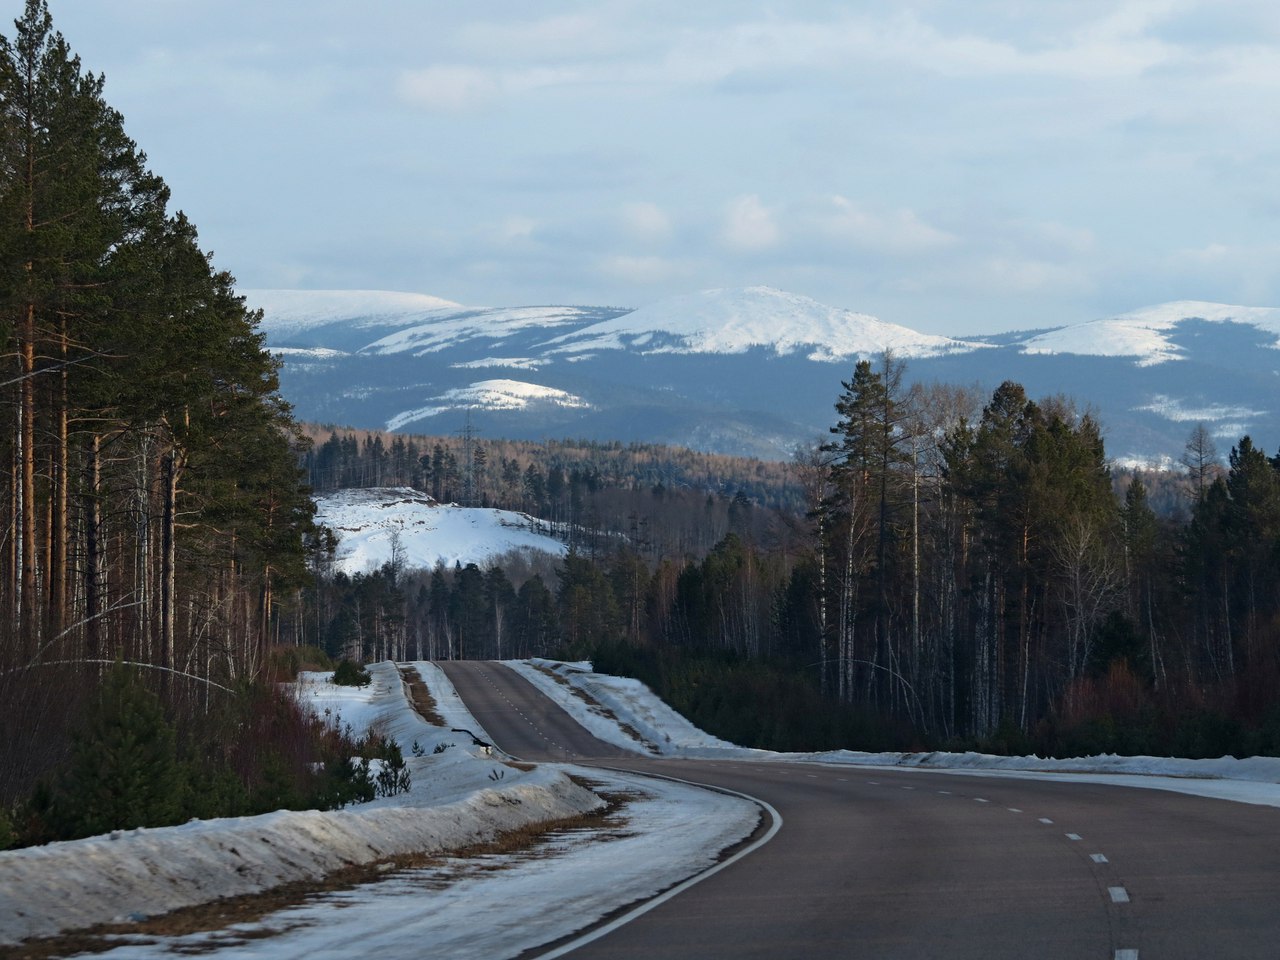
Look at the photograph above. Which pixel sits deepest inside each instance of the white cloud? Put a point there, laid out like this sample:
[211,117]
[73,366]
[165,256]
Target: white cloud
[646,221]
[897,231]
[749,225]
[1022,276]
[516,229]
[449,88]
[644,270]
[559,38]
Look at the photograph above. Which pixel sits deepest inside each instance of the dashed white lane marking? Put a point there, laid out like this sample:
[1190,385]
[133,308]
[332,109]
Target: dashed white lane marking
[1098,858]
[981,800]
[812,776]
[1045,820]
[946,793]
[874,783]
[1118,894]
[908,788]
[842,779]
[1074,836]
[1126,955]
[1013,809]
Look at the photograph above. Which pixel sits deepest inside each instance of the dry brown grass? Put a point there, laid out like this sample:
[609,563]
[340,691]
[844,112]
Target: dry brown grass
[421,697]
[252,908]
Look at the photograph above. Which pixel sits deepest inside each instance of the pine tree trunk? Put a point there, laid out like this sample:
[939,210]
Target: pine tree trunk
[168,558]
[30,612]
[93,550]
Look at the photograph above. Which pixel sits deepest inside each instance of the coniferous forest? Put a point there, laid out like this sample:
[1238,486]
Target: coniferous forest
[965,571]
[945,569]
[150,485]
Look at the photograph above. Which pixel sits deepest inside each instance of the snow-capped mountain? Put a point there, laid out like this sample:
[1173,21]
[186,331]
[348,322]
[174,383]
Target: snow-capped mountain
[752,370]
[368,521]
[1150,335]
[735,321]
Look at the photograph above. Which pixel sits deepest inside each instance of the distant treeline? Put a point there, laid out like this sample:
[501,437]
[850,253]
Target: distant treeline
[963,570]
[531,475]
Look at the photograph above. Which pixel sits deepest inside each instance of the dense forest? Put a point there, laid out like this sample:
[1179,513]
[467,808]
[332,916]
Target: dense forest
[965,571]
[152,500]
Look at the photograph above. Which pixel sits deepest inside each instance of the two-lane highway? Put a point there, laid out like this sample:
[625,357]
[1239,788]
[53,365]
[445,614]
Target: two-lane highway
[885,863]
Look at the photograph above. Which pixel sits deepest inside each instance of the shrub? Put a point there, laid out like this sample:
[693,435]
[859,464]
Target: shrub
[124,770]
[349,674]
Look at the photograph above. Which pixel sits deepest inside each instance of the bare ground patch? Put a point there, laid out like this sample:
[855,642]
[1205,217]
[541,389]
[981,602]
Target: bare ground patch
[421,697]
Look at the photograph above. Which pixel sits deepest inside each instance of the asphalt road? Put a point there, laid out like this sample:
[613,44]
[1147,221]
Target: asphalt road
[909,864]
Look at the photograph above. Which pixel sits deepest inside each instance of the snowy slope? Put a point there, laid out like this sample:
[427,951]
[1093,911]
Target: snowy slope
[430,533]
[489,395]
[451,328]
[733,321]
[1144,334]
[288,311]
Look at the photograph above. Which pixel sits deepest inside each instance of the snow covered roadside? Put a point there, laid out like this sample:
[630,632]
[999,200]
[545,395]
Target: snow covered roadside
[497,907]
[453,802]
[1254,780]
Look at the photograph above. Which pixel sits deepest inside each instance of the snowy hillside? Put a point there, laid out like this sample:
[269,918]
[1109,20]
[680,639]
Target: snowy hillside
[1146,334]
[289,311]
[489,395]
[450,328]
[733,321]
[430,533]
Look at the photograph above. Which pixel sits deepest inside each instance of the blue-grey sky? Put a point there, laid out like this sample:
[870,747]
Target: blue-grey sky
[958,167]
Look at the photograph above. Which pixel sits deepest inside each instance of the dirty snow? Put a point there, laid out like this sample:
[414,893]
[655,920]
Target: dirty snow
[459,796]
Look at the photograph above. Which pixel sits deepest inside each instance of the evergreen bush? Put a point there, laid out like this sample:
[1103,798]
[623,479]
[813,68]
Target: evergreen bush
[350,674]
[124,770]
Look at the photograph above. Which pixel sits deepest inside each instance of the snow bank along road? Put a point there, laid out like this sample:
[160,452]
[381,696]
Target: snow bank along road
[905,863]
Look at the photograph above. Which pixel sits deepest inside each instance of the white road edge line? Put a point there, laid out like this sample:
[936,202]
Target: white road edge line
[681,887]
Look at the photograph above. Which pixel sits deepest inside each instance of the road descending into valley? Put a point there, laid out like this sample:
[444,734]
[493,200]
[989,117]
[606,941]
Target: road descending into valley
[906,864]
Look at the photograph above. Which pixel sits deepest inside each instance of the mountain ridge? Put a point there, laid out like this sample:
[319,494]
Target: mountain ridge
[752,370]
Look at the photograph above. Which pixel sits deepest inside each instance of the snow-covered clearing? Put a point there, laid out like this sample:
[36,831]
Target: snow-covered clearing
[367,522]
[670,832]
[1253,780]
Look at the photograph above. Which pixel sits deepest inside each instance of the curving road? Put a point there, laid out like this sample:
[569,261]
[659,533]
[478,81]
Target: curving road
[909,864]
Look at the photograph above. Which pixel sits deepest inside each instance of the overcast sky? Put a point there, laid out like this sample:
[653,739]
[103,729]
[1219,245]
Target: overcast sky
[958,167]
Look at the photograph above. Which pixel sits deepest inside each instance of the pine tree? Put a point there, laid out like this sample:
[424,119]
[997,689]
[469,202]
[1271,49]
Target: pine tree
[124,770]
